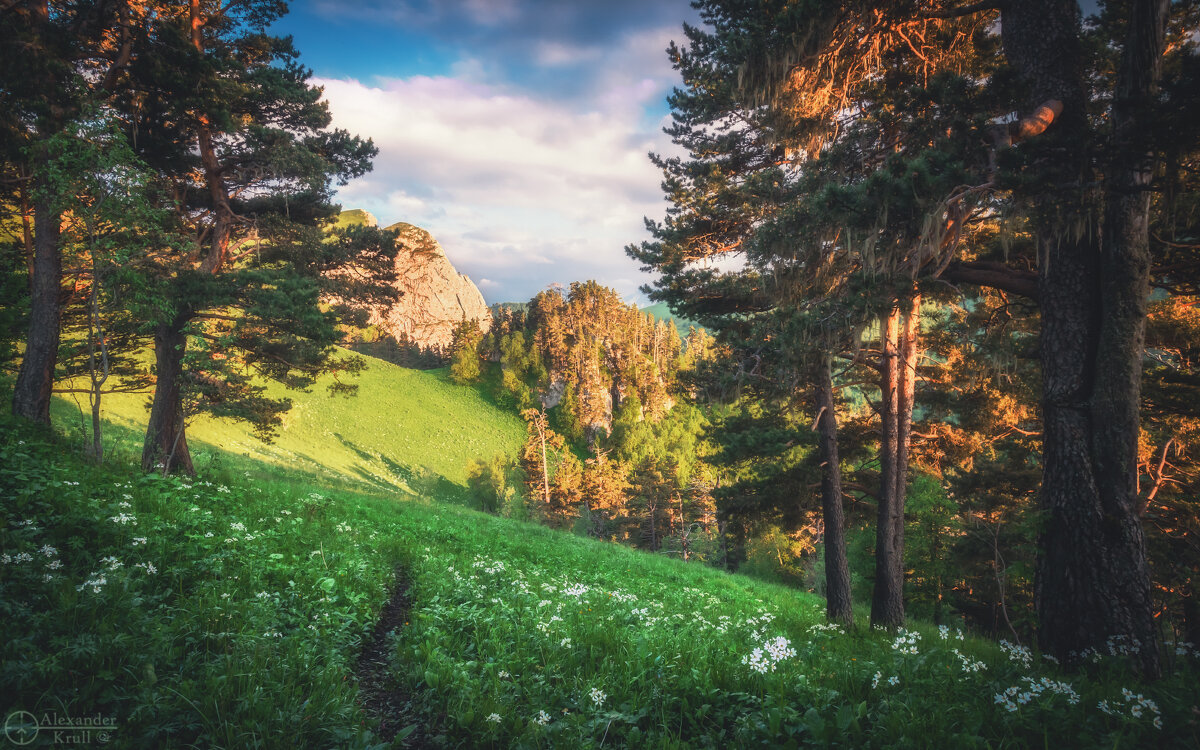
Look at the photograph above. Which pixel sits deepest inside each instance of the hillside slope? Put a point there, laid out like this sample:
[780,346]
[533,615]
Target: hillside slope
[406,429]
[229,612]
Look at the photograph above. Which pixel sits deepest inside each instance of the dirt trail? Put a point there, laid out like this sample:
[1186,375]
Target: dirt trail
[380,695]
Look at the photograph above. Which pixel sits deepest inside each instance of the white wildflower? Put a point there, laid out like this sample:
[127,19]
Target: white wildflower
[1017,653]
[95,581]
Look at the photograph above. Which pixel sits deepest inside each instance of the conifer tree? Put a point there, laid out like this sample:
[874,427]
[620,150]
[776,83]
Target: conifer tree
[464,352]
[800,75]
[56,60]
[224,113]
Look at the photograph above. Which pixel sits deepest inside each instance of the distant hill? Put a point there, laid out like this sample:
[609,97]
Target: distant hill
[511,306]
[661,312]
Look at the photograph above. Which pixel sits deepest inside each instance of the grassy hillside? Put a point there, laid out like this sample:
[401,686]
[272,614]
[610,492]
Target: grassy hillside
[405,429]
[229,612]
[354,217]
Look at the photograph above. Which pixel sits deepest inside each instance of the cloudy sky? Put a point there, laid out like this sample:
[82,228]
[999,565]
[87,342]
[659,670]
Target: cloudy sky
[515,131]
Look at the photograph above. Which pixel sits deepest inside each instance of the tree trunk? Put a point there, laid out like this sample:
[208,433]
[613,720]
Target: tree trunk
[35,380]
[1092,579]
[166,447]
[218,192]
[98,364]
[838,602]
[541,428]
[887,603]
[905,394]
[1124,293]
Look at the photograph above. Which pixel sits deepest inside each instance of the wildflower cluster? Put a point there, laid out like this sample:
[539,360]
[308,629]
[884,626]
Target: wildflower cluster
[1017,653]
[827,627]
[772,653]
[493,566]
[1139,705]
[576,590]
[906,642]
[1123,645]
[1014,697]
[969,664]
[95,581]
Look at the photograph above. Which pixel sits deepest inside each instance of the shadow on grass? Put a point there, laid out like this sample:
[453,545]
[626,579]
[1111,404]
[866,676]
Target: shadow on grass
[421,480]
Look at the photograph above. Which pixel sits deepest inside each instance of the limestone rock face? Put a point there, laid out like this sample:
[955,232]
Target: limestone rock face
[435,297]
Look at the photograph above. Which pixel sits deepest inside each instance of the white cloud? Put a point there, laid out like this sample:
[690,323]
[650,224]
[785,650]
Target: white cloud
[518,187]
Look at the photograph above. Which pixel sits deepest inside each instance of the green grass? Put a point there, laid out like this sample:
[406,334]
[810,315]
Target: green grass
[405,430]
[228,611]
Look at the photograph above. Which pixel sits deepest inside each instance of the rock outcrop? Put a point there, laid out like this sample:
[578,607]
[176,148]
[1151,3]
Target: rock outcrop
[435,297]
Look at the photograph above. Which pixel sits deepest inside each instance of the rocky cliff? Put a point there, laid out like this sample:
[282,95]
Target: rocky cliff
[435,297]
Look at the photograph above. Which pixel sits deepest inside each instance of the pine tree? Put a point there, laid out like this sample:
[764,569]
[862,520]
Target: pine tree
[223,112]
[802,81]
[464,352]
[57,59]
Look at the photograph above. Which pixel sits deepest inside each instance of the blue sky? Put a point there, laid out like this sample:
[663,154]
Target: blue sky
[515,131]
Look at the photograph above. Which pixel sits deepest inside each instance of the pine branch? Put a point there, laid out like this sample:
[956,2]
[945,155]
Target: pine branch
[965,10]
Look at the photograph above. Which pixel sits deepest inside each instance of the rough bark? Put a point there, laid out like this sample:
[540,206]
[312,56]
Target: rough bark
[166,447]
[1092,579]
[35,380]
[838,601]
[887,602]
[1124,293]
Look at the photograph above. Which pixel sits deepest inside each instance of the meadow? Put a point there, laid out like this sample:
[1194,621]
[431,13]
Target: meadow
[408,430]
[229,610]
